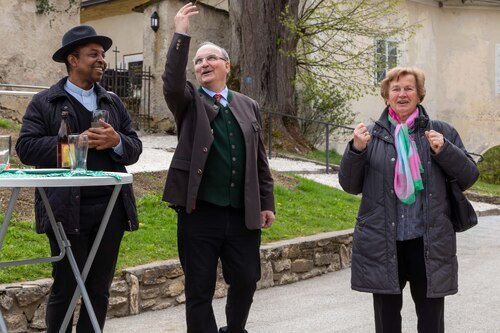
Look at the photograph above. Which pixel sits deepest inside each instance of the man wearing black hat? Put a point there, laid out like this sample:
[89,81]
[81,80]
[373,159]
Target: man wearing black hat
[111,147]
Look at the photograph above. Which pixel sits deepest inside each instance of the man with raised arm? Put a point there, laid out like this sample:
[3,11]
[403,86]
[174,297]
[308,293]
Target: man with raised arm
[219,181]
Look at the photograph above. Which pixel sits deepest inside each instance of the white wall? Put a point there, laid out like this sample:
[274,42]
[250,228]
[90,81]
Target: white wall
[210,25]
[28,41]
[456,48]
[126,31]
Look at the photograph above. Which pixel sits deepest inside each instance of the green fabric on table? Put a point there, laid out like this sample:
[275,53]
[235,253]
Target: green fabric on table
[43,173]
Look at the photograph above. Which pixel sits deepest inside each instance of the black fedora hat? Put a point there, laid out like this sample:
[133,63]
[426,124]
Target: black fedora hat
[80,35]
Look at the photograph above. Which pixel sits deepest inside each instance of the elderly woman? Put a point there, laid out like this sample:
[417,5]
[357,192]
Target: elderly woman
[403,231]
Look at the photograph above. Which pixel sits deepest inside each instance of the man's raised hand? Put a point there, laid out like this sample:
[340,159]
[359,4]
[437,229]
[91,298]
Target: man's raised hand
[181,19]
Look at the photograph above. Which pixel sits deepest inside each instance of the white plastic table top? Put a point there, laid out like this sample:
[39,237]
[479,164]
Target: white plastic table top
[33,179]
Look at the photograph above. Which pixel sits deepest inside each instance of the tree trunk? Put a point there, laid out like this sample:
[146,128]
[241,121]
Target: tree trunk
[262,72]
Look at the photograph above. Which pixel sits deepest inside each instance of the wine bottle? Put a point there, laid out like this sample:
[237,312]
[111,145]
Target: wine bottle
[63,160]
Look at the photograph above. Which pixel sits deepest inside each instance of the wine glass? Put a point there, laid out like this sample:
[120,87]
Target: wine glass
[5,144]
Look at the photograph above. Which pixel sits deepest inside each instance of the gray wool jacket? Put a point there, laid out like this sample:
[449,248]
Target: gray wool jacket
[371,172]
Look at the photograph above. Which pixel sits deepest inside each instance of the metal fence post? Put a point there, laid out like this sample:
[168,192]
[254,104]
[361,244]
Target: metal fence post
[327,140]
[149,76]
[270,134]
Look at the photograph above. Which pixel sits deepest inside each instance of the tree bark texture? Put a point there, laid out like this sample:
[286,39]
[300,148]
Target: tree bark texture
[263,72]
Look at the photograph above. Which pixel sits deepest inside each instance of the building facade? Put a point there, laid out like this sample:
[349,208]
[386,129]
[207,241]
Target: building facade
[128,23]
[457,45]
[458,48]
[29,36]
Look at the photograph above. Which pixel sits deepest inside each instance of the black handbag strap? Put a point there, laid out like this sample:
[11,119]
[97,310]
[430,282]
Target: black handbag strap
[463,215]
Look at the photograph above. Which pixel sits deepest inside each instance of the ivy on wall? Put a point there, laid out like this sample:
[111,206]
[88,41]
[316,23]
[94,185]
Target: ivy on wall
[46,7]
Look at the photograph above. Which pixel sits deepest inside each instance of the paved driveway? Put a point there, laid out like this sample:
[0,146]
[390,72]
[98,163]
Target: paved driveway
[326,304]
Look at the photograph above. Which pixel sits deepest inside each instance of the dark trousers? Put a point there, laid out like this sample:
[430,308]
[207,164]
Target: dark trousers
[211,232]
[101,272]
[411,268]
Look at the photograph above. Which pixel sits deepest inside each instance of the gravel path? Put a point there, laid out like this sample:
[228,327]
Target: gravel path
[158,151]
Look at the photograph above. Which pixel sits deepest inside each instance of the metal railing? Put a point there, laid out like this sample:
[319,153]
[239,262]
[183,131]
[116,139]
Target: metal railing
[479,156]
[133,86]
[6,86]
[328,127]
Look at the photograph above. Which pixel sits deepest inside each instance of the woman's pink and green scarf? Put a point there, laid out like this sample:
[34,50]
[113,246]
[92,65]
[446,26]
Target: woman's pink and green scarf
[407,179]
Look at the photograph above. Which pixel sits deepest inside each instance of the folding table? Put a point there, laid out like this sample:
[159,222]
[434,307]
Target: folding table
[40,179]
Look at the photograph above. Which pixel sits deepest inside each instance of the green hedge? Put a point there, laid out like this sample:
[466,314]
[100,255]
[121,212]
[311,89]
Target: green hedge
[489,167]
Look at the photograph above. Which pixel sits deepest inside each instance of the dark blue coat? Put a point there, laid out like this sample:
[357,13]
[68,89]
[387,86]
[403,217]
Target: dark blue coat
[371,172]
[37,146]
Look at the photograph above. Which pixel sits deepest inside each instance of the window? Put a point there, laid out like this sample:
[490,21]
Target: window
[133,60]
[386,57]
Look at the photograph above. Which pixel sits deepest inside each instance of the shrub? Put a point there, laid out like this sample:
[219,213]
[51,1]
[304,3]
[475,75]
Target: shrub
[489,167]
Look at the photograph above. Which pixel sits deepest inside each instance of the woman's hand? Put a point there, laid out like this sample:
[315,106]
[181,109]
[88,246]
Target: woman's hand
[361,137]
[436,140]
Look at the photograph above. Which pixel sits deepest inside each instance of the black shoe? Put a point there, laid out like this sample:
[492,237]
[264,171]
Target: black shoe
[224,330]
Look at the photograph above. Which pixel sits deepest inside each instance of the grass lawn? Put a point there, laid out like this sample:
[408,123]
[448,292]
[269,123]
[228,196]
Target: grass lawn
[315,155]
[22,242]
[320,156]
[9,124]
[485,188]
[303,208]
[479,187]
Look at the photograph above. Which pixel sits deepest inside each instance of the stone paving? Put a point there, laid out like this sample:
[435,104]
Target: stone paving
[326,304]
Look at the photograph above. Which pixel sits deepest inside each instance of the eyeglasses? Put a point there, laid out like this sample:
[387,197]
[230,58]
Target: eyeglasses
[209,58]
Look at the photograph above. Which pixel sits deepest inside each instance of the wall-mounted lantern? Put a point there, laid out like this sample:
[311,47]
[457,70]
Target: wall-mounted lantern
[155,21]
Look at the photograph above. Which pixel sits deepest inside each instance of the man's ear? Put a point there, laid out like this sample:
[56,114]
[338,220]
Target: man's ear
[72,60]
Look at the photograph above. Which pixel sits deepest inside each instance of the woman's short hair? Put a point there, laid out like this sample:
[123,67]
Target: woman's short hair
[394,75]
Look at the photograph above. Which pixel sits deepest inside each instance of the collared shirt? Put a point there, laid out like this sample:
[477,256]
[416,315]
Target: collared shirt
[224,94]
[88,99]
[410,219]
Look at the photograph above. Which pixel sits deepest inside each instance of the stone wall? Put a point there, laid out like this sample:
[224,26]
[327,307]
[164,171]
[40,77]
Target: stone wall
[28,41]
[210,25]
[160,285]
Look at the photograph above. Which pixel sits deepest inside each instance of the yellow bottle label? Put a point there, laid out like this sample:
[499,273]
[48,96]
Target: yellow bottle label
[65,160]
